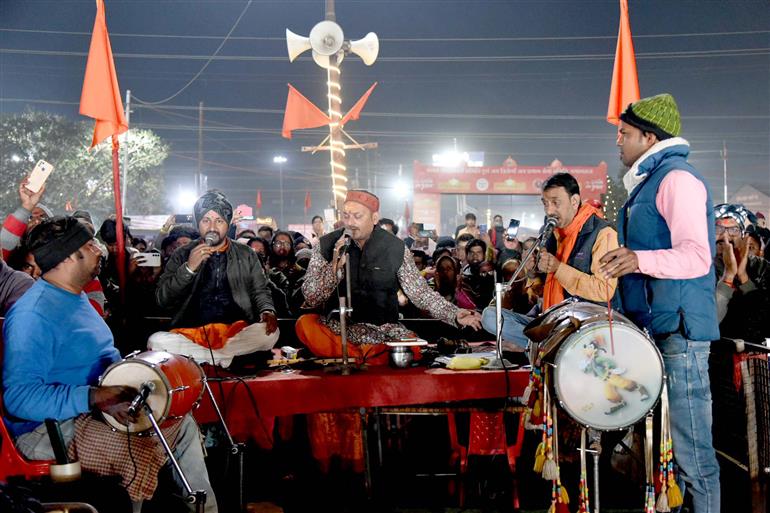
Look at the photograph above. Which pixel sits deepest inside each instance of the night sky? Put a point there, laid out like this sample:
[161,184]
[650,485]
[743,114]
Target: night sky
[523,78]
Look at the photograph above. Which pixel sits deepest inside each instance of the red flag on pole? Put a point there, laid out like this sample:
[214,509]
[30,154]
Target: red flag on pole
[100,99]
[308,202]
[301,113]
[625,82]
[355,112]
[259,199]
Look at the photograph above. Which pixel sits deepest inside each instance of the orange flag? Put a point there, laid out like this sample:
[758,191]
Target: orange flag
[100,98]
[355,113]
[625,83]
[259,199]
[308,202]
[301,113]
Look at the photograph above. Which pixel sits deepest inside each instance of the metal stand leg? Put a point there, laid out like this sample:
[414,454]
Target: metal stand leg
[197,497]
[236,449]
[596,446]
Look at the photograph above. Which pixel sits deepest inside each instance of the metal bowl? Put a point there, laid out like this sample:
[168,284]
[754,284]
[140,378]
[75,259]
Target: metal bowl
[401,356]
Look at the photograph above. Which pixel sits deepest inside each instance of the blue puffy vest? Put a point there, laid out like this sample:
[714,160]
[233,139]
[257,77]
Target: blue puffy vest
[660,305]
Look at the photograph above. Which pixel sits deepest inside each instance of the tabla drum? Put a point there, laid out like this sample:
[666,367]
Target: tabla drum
[178,381]
[600,384]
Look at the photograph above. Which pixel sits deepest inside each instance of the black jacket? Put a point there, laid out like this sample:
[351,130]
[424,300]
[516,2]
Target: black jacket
[244,275]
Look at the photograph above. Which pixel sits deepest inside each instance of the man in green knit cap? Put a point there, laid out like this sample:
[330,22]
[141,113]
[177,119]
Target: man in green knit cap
[666,228]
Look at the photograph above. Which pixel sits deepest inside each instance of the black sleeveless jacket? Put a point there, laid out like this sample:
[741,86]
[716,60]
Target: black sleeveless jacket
[373,276]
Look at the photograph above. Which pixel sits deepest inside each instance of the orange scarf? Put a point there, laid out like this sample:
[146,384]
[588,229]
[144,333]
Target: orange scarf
[553,292]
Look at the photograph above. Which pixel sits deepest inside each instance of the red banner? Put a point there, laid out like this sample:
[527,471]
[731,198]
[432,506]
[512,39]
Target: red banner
[505,179]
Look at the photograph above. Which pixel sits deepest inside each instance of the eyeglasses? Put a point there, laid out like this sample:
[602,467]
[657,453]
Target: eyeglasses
[731,230]
[282,243]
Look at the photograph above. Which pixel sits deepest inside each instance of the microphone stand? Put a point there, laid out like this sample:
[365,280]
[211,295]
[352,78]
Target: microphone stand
[346,309]
[503,287]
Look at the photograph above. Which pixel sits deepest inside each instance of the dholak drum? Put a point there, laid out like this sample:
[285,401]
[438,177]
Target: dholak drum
[600,388]
[178,381]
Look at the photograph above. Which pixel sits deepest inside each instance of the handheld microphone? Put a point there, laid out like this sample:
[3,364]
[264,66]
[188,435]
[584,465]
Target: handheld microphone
[548,227]
[211,239]
[348,233]
[141,398]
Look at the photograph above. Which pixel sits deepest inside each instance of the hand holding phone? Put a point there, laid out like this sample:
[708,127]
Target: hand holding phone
[38,176]
[148,259]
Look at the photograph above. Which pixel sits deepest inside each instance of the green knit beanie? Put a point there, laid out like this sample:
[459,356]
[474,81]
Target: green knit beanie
[657,114]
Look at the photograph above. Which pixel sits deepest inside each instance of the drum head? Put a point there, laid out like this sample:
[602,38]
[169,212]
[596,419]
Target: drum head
[135,372]
[604,390]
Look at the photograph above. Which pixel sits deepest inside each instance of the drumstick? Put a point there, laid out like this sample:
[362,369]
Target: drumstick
[609,307]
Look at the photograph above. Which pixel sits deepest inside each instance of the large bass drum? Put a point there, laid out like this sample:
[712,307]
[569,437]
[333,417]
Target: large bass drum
[605,381]
[178,381]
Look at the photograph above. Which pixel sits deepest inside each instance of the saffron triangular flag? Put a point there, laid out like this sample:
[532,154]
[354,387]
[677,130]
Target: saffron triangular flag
[301,113]
[355,113]
[625,82]
[100,98]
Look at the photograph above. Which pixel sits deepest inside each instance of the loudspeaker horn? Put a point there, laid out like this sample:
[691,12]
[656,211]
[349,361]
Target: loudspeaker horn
[326,38]
[366,48]
[323,60]
[296,44]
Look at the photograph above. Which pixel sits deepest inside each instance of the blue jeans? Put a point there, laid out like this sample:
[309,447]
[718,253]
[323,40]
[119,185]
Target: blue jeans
[689,390]
[36,445]
[513,325]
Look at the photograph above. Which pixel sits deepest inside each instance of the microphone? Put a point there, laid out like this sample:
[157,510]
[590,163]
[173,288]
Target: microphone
[141,398]
[211,239]
[548,227]
[348,233]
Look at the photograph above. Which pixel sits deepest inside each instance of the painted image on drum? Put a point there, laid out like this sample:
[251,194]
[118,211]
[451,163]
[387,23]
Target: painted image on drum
[604,389]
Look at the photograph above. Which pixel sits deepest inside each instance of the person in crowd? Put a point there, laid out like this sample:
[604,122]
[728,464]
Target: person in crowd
[282,259]
[571,258]
[21,259]
[29,214]
[266,232]
[469,227]
[528,243]
[247,233]
[739,271]
[460,250]
[412,234]
[478,276]
[303,257]
[300,242]
[388,224]
[496,233]
[512,249]
[178,236]
[420,259]
[260,246]
[216,291]
[666,266]
[139,244]
[762,231]
[93,289]
[754,244]
[52,319]
[380,264]
[318,229]
[13,285]
[447,281]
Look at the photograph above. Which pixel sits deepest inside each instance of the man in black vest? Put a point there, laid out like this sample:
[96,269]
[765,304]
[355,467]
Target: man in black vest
[380,265]
[570,258]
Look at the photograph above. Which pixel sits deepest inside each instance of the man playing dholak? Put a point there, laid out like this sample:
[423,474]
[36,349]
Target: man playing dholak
[667,284]
[380,264]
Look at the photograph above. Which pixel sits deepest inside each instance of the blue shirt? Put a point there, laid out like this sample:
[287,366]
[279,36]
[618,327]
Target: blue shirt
[56,345]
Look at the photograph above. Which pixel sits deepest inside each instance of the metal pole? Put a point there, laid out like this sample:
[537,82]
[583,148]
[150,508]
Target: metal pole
[280,178]
[199,175]
[125,149]
[724,167]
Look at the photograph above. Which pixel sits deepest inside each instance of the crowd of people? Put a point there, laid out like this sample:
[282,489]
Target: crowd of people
[224,286]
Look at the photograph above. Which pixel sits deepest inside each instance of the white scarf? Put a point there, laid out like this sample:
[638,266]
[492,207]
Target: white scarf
[634,177]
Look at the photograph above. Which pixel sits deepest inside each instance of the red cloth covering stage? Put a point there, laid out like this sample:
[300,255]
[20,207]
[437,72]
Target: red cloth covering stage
[277,394]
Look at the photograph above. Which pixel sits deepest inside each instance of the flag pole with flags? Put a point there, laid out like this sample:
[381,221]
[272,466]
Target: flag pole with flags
[625,82]
[100,100]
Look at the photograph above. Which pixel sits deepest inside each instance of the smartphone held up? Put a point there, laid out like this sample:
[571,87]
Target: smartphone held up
[39,175]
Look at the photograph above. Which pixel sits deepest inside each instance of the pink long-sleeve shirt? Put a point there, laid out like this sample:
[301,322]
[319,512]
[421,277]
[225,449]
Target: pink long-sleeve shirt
[681,201]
